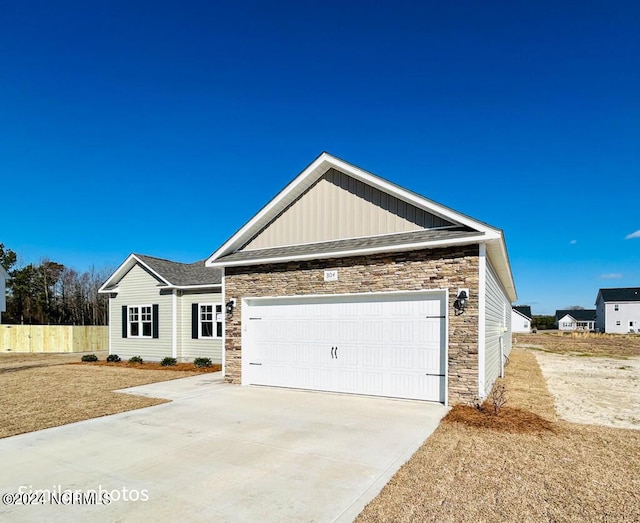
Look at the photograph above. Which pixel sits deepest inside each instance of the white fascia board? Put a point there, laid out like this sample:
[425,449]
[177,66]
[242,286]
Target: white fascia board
[194,287]
[297,186]
[314,171]
[125,267]
[354,252]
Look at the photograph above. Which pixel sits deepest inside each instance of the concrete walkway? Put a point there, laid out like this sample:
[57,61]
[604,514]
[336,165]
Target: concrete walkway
[217,452]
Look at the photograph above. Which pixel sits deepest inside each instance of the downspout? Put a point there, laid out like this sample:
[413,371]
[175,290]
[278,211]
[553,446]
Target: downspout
[224,327]
[174,315]
[482,315]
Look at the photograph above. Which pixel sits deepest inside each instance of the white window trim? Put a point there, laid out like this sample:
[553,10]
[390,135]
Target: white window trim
[215,323]
[140,330]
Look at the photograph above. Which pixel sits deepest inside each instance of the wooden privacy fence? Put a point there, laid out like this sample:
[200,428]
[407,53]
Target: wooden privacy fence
[53,338]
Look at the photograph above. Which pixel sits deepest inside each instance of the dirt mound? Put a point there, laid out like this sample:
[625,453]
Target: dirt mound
[509,419]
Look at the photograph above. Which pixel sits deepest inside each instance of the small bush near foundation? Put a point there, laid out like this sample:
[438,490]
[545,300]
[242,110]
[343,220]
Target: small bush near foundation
[113,358]
[136,359]
[202,362]
[168,361]
[89,357]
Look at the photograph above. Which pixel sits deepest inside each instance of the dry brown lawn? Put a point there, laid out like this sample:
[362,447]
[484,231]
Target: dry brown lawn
[39,391]
[581,343]
[529,466]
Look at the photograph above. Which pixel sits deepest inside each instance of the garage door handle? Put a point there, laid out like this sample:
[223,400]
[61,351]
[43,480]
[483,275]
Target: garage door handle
[438,375]
[332,355]
[336,352]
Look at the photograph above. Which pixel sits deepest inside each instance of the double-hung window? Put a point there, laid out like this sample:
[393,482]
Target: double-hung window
[140,321]
[209,320]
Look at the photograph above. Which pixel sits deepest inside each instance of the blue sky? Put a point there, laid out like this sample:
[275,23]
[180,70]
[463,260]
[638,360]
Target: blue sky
[162,127]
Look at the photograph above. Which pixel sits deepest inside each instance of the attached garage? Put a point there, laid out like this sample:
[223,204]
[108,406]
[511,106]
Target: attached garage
[345,282]
[386,344]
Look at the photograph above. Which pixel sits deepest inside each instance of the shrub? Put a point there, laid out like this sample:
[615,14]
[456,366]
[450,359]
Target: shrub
[168,361]
[113,358]
[89,357]
[136,359]
[202,362]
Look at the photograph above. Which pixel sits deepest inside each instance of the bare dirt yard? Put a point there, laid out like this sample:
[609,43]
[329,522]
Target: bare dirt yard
[594,378]
[39,391]
[525,464]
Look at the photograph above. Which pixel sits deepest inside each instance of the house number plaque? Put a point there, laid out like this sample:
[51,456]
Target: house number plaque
[330,275]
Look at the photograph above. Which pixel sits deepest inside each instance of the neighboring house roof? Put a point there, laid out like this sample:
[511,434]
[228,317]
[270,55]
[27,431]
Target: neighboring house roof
[465,230]
[523,310]
[170,274]
[577,314]
[620,294]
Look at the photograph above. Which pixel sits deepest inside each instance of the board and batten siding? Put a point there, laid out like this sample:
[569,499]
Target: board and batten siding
[138,287]
[191,348]
[497,327]
[338,206]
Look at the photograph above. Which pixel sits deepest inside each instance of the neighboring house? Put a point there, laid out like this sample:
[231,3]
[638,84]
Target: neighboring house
[521,318]
[160,308]
[576,320]
[618,310]
[346,282]
[4,276]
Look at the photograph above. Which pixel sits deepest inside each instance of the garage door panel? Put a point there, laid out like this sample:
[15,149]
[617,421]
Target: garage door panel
[379,345]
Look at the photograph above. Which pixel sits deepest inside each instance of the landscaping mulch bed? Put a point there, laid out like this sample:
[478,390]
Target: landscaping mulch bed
[529,466]
[152,365]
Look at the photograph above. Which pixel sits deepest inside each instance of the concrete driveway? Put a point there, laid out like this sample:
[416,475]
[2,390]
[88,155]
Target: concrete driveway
[217,452]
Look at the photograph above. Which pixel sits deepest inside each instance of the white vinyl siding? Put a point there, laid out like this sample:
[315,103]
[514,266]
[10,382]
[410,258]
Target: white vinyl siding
[338,206]
[200,347]
[138,288]
[497,327]
[628,316]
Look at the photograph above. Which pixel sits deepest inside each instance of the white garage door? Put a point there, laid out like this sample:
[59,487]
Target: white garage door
[383,345]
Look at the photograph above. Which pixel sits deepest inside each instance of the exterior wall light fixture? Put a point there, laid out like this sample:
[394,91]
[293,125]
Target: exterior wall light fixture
[461,302]
[230,305]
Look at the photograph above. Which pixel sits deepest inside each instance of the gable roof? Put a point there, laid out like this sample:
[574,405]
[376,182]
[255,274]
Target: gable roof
[620,294]
[577,314]
[465,230]
[170,274]
[523,310]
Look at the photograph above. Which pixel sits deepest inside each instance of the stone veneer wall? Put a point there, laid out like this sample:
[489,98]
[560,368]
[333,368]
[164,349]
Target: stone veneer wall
[446,268]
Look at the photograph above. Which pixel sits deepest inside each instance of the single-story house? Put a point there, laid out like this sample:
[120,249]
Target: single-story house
[346,282]
[521,318]
[160,308]
[576,319]
[618,310]
[4,276]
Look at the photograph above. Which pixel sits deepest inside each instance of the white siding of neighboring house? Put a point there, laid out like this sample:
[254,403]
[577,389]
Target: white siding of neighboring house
[198,348]
[566,323]
[628,314]
[519,323]
[138,287]
[497,327]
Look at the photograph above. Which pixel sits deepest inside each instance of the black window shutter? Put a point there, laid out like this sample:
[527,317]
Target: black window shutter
[154,320]
[194,321]
[125,320]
